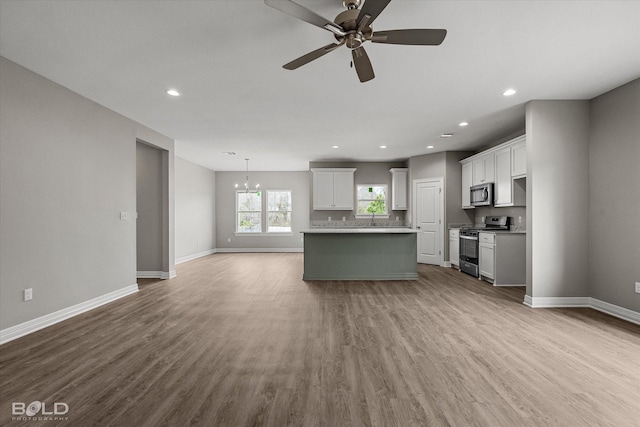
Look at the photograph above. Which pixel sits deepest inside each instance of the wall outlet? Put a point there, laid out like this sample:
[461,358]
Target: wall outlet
[229,240]
[638,287]
[123,216]
[519,220]
[28,294]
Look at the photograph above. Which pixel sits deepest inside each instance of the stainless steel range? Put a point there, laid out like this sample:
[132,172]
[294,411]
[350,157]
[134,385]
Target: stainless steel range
[469,248]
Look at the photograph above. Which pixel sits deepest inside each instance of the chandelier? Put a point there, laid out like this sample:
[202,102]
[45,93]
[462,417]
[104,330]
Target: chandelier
[246,181]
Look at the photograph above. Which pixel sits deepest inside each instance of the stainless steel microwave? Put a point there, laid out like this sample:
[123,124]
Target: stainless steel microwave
[482,195]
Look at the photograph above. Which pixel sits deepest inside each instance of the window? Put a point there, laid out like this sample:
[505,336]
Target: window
[278,211]
[271,213]
[249,211]
[372,201]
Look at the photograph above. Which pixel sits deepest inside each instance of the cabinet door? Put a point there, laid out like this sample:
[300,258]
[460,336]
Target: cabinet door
[483,169]
[487,260]
[503,186]
[454,248]
[399,189]
[466,185]
[322,190]
[478,171]
[489,168]
[519,159]
[343,191]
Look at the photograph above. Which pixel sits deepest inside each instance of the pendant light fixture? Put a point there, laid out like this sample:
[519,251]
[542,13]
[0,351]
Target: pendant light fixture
[246,181]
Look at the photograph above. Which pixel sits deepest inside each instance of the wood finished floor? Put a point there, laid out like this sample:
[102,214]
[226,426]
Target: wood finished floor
[241,340]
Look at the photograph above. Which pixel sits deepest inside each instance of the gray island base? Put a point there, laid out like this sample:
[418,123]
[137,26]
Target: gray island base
[360,254]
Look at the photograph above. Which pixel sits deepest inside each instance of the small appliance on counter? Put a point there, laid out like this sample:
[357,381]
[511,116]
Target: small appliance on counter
[469,244]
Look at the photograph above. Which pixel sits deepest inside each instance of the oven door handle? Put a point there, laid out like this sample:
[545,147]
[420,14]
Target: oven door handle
[468,237]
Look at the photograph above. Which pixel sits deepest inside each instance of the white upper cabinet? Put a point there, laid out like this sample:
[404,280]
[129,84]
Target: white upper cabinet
[503,185]
[467,179]
[399,188]
[333,188]
[503,165]
[483,169]
[519,158]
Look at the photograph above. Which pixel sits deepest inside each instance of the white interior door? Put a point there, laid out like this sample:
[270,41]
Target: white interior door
[428,218]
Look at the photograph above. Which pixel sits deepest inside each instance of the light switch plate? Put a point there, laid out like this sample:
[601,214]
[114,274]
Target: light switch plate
[28,294]
[638,287]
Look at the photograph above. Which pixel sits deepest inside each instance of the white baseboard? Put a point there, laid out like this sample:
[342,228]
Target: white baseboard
[616,311]
[244,250]
[195,256]
[148,274]
[156,274]
[17,331]
[168,274]
[596,304]
[446,264]
[556,302]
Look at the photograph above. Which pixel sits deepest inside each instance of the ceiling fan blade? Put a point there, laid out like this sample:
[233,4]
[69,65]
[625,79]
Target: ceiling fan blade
[298,11]
[373,8]
[305,59]
[410,37]
[363,64]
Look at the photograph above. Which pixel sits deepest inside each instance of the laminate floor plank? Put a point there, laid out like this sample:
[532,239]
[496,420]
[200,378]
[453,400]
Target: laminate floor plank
[242,340]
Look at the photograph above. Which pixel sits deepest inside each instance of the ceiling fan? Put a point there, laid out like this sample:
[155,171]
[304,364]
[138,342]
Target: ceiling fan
[352,28]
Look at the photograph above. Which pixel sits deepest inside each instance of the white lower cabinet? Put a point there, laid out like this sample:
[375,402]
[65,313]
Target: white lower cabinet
[487,254]
[454,247]
[502,258]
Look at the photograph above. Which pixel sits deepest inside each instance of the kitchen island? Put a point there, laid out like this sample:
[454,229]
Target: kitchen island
[360,254]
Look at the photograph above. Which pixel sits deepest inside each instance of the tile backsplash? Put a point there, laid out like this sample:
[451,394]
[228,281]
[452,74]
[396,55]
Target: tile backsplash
[518,215]
[359,223]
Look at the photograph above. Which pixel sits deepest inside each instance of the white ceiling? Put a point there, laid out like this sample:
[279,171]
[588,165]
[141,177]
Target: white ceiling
[226,58]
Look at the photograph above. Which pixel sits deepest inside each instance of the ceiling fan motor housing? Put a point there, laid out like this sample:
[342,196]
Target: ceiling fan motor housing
[351,4]
[348,21]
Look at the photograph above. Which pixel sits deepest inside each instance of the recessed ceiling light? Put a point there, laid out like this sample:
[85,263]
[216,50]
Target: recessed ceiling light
[446,135]
[509,92]
[383,146]
[229,153]
[463,124]
[335,146]
[429,146]
[173,92]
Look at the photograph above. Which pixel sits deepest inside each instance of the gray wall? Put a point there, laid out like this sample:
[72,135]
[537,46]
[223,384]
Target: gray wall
[149,207]
[366,173]
[557,198]
[297,182]
[67,170]
[195,209]
[614,196]
[453,191]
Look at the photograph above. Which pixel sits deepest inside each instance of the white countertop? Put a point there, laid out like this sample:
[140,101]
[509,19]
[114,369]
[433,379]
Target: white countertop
[367,230]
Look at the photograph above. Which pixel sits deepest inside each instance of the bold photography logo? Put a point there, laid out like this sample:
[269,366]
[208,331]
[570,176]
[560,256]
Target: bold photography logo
[39,409]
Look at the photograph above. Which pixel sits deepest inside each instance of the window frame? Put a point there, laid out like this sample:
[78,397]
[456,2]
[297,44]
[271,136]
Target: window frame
[386,201]
[264,214]
[267,211]
[237,212]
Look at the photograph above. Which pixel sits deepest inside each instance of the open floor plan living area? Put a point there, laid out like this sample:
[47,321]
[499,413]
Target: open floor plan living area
[320,213]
